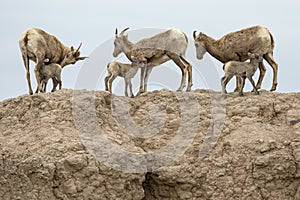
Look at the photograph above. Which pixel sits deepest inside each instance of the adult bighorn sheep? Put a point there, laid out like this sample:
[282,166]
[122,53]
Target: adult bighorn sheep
[37,45]
[173,41]
[236,45]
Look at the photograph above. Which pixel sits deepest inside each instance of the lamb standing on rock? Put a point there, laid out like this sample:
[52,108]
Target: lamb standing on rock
[243,70]
[37,45]
[140,58]
[127,71]
[236,45]
[172,40]
[47,71]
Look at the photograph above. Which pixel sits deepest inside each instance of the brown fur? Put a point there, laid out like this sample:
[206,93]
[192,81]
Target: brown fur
[37,45]
[173,41]
[127,71]
[235,46]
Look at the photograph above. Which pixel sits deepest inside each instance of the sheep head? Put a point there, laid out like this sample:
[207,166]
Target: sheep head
[119,42]
[199,44]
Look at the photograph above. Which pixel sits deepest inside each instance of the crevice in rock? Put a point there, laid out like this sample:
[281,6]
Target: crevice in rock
[149,190]
[293,122]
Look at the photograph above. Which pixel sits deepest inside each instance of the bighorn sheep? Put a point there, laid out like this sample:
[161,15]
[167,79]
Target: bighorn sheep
[139,58]
[236,45]
[173,41]
[143,56]
[243,70]
[127,71]
[37,45]
[52,70]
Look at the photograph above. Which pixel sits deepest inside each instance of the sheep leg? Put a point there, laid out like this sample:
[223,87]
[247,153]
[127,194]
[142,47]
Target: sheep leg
[40,63]
[189,69]
[253,84]
[44,83]
[130,88]
[223,85]
[238,83]
[111,79]
[59,84]
[106,82]
[26,63]
[262,71]
[242,85]
[126,87]
[44,86]
[37,89]
[224,82]
[141,90]
[54,82]
[176,59]
[269,58]
[148,72]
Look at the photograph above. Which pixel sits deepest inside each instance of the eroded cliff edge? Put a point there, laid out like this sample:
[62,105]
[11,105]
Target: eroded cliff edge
[256,155]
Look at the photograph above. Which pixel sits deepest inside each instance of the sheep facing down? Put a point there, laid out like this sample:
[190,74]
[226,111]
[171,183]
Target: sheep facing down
[37,45]
[235,47]
[243,70]
[127,71]
[53,71]
[172,40]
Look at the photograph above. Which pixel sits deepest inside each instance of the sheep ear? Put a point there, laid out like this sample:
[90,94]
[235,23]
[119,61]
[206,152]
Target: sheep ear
[81,58]
[201,35]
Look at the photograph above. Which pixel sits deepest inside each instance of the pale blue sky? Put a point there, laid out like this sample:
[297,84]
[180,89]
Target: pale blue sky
[94,22]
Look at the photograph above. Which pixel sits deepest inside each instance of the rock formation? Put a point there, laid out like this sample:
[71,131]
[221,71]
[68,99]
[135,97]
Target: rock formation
[236,148]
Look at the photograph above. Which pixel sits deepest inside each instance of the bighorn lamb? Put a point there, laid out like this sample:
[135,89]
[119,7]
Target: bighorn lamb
[172,40]
[143,56]
[53,71]
[37,45]
[236,45]
[243,70]
[127,71]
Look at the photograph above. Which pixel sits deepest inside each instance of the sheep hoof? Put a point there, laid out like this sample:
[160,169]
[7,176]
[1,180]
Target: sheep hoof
[241,94]
[257,92]
[223,95]
[140,92]
[273,87]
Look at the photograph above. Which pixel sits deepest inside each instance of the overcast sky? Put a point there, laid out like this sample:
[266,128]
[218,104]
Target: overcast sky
[94,23]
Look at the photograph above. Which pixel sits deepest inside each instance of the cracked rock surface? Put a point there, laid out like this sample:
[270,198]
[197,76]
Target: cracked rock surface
[62,145]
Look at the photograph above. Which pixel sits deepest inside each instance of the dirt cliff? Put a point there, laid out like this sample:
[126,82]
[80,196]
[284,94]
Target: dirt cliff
[160,145]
